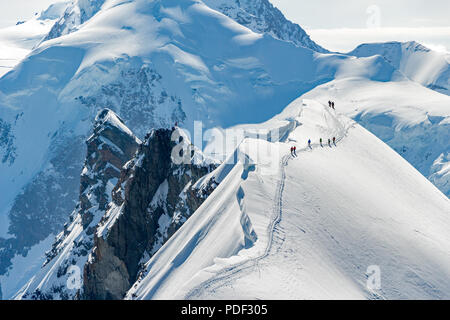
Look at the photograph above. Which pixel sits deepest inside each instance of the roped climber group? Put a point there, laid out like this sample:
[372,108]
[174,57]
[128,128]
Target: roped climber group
[294,148]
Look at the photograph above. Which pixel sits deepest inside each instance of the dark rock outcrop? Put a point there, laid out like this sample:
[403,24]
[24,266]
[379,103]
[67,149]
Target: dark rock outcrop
[109,147]
[152,199]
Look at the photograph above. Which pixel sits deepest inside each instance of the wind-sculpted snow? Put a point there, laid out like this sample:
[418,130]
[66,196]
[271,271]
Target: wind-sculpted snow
[323,221]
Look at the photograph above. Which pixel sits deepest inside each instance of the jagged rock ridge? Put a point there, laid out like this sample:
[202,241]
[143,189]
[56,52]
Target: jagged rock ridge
[111,248]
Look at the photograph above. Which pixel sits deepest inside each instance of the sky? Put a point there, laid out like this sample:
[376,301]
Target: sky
[338,25]
[12,11]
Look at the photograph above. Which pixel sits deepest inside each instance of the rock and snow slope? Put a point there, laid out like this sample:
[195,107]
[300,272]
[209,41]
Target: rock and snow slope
[312,228]
[110,146]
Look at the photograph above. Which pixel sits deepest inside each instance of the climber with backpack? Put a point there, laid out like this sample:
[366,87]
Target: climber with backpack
[334,140]
[309,143]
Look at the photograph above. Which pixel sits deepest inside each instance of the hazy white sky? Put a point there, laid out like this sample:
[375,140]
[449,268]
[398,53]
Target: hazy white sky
[343,24]
[12,11]
[336,24]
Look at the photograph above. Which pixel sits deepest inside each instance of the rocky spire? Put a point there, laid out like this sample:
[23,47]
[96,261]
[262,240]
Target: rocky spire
[152,200]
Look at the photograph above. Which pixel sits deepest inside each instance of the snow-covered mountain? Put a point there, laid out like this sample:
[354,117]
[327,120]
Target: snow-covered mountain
[224,63]
[169,61]
[316,228]
[417,62]
[261,16]
[17,41]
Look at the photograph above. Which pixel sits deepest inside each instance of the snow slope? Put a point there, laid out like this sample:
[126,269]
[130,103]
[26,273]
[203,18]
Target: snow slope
[319,222]
[413,120]
[168,61]
[18,41]
[417,62]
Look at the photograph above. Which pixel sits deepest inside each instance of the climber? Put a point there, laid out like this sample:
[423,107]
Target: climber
[332,105]
[321,142]
[309,143]
[334,140]
[295,151]
[292,151]
[329,142]
[329,104]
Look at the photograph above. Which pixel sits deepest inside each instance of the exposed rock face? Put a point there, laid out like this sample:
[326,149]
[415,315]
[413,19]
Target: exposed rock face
[258,15]
[152,199]
[109,147]
[261,16]
[139,96]
[7,149]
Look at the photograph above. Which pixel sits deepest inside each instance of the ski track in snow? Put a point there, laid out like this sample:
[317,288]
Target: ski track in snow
[276,235]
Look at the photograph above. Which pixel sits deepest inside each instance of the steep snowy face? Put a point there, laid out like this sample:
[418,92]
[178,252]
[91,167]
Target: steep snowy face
[109,147]
[420,64]
[261,16]
[317,227]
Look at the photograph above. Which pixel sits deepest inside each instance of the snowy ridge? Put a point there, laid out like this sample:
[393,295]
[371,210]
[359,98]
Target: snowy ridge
[318,216]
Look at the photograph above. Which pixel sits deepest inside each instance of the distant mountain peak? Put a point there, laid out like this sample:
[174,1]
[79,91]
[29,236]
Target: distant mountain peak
[261,16]
[77,12]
